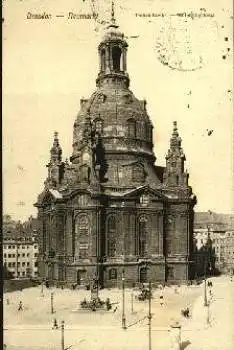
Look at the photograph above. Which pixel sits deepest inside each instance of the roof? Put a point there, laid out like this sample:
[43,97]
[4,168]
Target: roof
[56,194]
[215,220]
[159,172]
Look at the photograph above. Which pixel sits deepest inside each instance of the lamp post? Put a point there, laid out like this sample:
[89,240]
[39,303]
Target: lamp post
[52,302]
[123,302]
[150,317]
[205,292]
[62,335]
[42,287]
[132,303]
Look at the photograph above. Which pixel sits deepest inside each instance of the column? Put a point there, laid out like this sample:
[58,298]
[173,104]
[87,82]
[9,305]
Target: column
[175,338]
[160,233]
[108,63]
[124,54]
[68,233]
[100,60]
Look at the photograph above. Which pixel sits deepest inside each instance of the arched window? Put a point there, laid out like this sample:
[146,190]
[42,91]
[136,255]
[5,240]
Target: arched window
[116,55]
[82,236]
[138,174]
[103,60]
[142,235]
[131,128]
[143,275]
[111,236]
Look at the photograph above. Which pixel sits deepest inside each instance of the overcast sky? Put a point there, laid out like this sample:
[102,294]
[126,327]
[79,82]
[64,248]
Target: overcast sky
[48,65]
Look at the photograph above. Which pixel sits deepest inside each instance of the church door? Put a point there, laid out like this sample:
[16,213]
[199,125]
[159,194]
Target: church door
[81,277]
[143,275]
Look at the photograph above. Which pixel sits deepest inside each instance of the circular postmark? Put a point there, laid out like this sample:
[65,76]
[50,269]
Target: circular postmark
[181,43]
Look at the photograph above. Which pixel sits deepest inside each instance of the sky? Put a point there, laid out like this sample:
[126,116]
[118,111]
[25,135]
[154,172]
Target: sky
[50,64]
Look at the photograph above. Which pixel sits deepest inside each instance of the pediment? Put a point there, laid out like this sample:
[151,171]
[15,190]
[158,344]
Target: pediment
[147,191]
[48,196]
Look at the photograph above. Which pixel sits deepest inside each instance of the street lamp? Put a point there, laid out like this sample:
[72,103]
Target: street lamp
[42,288]
[150,317]
[62,335]
[123,302]
[52,302]
[205,292]
[132,303]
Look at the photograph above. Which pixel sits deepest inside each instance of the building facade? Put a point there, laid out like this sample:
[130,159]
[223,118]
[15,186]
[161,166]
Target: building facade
[111,208]
[20,247]
[20,257]
[221,242]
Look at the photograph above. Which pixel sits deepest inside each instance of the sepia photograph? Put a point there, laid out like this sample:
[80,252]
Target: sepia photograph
[118,175]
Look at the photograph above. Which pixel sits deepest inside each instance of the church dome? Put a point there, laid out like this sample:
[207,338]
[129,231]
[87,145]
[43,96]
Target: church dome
[117,118]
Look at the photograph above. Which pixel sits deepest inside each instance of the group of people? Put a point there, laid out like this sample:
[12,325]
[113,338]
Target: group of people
[209,284]
[96,303]
[185,312]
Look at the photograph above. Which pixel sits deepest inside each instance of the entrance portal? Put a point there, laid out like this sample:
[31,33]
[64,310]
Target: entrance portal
[81,277]
[143,275]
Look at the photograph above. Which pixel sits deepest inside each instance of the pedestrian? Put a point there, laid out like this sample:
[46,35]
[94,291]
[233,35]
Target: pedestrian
[115,309]
[108,304]
[20,307]
[8,301]
[161,299]
[55,324]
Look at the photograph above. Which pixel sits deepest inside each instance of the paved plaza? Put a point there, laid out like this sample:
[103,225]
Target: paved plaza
[31,328]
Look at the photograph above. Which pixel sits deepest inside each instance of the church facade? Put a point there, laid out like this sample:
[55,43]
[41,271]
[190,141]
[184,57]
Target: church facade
[110,207]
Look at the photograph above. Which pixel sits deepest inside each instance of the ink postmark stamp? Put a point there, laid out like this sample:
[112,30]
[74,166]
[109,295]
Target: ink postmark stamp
[180,42]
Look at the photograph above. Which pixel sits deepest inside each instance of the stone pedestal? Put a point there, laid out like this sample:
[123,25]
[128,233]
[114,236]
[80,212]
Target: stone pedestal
[175,336]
